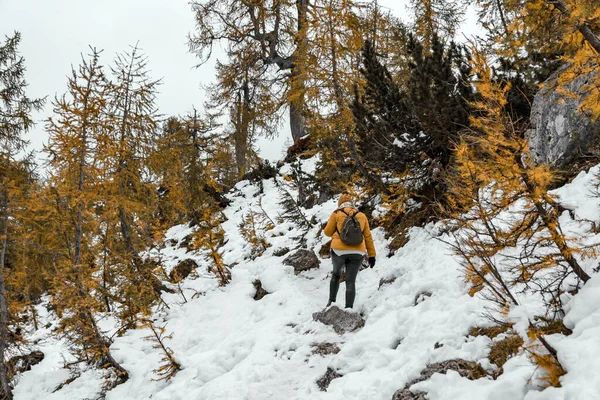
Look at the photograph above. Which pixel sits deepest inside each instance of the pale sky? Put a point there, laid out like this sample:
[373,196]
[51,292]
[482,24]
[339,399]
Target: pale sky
[56,32]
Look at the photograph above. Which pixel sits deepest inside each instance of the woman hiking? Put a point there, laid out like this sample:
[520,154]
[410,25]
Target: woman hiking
[347,226]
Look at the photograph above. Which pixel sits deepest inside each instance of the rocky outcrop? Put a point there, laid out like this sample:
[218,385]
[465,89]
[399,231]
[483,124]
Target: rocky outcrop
[467,369]
[560,132]
[302,260]
[340,320]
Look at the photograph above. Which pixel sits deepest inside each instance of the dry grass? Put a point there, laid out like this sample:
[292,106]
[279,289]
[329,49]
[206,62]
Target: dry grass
[504,349]
[491,331]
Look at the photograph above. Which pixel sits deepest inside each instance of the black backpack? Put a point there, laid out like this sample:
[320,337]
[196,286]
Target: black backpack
[351,233]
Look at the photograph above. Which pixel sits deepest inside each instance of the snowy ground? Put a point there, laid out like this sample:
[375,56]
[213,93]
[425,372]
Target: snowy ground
[233,347]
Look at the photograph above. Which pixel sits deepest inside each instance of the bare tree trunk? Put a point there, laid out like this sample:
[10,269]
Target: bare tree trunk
[105,273]
[4,379]
[297,121]
[242,126]
[297,83]
[80,183]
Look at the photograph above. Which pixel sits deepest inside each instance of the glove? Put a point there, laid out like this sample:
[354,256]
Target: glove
[371,262]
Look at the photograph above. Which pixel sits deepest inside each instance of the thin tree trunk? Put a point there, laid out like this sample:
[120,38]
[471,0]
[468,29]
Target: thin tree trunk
[105,273]
[80,183]
[502,18]
[4,379]
[584,27]
[297,83]
[242,125]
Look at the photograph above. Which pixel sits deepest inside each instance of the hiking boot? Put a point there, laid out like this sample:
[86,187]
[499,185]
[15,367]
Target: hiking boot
[328,303]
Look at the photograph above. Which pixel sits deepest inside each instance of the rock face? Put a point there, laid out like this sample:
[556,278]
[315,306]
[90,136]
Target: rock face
[342,321]
[324,381]
[302,260]
[467,369]
[559,131]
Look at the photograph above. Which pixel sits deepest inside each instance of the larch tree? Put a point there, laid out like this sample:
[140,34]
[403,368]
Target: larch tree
[507,226]
[15,120]
[338,41]
[437,17]
[183,162]
[128,193]
[251,99]
[274,32]
[78,125]
[501,201]
[548,33]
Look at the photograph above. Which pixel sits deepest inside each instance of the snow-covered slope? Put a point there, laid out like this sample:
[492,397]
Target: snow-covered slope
[231,346]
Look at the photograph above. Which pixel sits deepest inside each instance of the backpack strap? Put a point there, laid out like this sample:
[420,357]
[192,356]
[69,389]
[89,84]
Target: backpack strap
[342,210]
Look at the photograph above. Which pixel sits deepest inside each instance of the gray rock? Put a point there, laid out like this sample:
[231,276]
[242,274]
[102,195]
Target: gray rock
[260,291]
[324,381]
[406,394]
[560,132]
[421,297]
[467,369]
[386,281]
[341,320]
[302,260]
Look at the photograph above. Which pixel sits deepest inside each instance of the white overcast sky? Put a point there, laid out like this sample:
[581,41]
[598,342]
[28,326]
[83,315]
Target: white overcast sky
[56,32]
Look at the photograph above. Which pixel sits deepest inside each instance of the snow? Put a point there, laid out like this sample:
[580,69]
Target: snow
[233,347]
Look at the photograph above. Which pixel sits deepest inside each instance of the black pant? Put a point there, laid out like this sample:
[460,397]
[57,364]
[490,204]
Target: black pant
[352,263]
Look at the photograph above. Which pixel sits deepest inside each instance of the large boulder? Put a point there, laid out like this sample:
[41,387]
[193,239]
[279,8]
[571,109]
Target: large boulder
[341,320]
[560,131]
[302,260]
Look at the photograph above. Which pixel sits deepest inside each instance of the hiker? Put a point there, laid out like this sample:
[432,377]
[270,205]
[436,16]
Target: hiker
[344,254]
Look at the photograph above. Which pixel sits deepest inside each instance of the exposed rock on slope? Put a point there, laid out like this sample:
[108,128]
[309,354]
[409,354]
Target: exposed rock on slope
[467,369]
[341,320]
[560,132]
[302,260]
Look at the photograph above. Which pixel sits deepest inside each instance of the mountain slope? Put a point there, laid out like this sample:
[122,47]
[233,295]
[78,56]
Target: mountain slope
[231,346]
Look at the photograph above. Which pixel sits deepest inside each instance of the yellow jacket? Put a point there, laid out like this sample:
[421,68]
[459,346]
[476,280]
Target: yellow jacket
[337,220]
